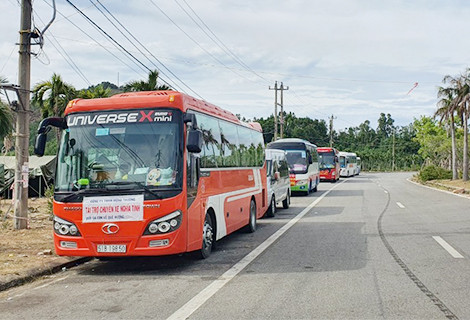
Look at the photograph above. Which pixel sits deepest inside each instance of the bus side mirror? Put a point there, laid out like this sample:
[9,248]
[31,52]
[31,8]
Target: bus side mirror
[40,145]
[190,117]
[43,129]
[52,121]
[194,141]
[310,160]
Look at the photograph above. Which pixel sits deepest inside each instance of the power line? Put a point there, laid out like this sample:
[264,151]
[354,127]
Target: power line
[65,55]
[195,42]
[145,48]
[136,60]
[122,33]
[216,39]
[97,42]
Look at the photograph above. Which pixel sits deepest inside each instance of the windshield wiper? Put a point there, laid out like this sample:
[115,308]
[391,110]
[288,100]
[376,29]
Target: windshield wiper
[140,184]
[80,192]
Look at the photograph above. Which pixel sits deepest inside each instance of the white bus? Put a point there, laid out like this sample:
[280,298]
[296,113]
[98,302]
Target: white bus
[302,157]
[348,164]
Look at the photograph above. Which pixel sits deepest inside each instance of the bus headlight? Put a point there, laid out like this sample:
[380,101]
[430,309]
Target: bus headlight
[65,228]
[165,224]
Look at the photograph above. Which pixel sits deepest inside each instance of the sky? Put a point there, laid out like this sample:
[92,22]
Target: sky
[352,59]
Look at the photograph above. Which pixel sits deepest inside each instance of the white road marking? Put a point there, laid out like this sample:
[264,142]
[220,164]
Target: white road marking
[197,301]
[454,253]
[385,191]
[400,205]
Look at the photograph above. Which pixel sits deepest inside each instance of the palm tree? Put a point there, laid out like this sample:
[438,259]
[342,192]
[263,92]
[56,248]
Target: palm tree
[53,95]
[149,85]
[6,116]
[446,111]
[463,109]
[95,92]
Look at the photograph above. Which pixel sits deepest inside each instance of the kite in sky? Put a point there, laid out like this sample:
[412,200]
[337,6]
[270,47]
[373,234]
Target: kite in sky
[414,86]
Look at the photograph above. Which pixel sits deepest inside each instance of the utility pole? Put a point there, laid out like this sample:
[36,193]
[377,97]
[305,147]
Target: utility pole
[275,109]
[331,130]
[282,108]
[393,149]
[22,119]
[276,89]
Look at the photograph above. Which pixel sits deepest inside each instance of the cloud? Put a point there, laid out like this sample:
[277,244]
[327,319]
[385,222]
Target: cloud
[351,58]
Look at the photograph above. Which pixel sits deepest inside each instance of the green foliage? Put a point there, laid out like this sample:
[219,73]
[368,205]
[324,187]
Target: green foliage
[311,130]
[53,95]
[49,194]
[6,116]
[6,120]
[374,147]
[93,92]
[433,172]
[149,85]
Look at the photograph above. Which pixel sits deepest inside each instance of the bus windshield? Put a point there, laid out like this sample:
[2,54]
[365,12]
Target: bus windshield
[297,160]
[116,156]
[327,160]
[342,161]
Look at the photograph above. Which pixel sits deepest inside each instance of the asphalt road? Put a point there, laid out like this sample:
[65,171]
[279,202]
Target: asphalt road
[370,247]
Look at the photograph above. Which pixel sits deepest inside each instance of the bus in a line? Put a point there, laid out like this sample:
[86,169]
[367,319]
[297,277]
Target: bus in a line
[302,157]
[348,164]
[153,173]
[329,164]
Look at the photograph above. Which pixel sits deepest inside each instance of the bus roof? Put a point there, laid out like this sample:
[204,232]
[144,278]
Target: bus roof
[292,140]
[327,149]
[347,154]
[155,99]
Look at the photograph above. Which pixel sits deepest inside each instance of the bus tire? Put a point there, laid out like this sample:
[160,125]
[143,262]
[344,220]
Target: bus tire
[316,186]
[286,201]
[207,237]
[251,227]
[272,208]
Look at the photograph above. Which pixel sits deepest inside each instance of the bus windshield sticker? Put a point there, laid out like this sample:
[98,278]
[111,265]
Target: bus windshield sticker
[117,131]
[102,132]
[113,208]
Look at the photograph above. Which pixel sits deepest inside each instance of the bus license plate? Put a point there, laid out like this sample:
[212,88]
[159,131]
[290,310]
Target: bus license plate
[112,248]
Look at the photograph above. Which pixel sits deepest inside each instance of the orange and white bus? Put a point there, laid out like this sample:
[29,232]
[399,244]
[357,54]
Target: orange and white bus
[329,164]
[153,173]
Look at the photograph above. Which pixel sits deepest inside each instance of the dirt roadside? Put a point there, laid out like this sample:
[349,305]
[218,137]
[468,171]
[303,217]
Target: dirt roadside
[27,253]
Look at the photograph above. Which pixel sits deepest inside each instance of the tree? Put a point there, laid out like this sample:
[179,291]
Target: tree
[6,116]
[447,106]
[463,92]
[93,92]
[149,85]
[53,95]
[433,140]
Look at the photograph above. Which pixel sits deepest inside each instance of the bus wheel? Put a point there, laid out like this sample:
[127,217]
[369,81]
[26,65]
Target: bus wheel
[251,227]
[316,187]
[286,201]
[207,237]
[272,208]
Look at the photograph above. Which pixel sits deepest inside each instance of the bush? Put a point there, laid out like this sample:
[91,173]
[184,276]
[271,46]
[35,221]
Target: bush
[434,173]
[49,194]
